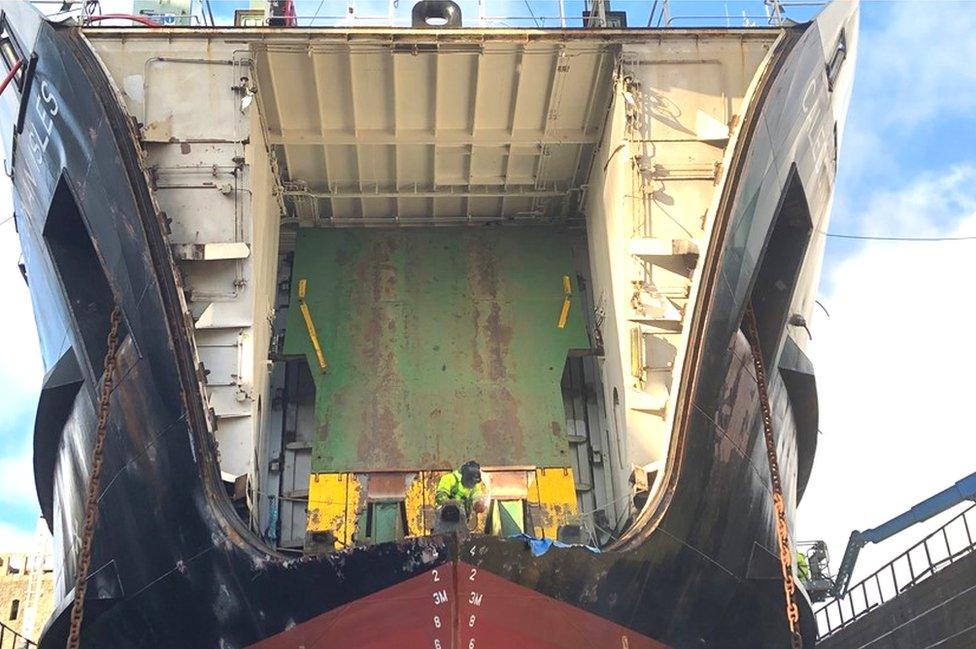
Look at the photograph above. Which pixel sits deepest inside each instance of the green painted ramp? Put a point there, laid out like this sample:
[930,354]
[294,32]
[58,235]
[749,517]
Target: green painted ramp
[442,345]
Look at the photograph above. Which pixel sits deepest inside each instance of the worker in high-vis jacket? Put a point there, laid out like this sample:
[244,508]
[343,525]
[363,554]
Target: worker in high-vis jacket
[802,567]
[465,485]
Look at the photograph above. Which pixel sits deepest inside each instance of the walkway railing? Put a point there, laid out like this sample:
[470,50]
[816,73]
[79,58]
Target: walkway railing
[475,13]
[10,639]
[948,544]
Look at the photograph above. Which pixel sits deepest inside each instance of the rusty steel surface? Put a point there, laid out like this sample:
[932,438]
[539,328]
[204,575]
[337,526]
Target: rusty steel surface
[443,345]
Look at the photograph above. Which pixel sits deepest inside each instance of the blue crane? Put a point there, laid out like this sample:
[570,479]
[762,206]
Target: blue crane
[962,491]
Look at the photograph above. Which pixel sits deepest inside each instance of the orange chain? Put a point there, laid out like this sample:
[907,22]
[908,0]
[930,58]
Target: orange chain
[779,503]
[91,503]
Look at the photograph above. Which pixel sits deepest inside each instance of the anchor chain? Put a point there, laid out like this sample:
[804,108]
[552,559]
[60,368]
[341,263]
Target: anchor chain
[91,502]
[779,502]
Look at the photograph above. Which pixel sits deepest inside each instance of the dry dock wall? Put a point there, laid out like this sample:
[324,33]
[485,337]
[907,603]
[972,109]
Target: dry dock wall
[938,613]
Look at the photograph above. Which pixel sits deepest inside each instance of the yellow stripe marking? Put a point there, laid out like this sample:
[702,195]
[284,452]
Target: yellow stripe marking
[567,300]
[302,286]
[635,353]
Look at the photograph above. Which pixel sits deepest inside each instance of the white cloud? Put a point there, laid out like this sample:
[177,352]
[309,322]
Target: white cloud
[922,208]
[15,539]
[17,480]
[913,70]
[21,371]
[919,64]
[895,367]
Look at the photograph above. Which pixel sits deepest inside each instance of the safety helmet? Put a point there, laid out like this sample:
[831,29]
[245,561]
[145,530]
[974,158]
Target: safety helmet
[470,473]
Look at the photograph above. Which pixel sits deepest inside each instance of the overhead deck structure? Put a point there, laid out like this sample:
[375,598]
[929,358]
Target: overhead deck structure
[400,131]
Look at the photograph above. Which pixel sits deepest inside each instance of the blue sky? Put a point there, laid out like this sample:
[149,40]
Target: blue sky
[893,356]
[20,376]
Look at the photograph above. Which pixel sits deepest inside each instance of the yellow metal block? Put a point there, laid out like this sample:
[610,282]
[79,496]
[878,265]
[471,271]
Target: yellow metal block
[353,505]
[419,496]
[333,505]
[555,493]
[553,490]
[326,500]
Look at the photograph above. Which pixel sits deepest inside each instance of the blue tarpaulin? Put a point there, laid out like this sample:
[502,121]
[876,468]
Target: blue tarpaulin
[541,546]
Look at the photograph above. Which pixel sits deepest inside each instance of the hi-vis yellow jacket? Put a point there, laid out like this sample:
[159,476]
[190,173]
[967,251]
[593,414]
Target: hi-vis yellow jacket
[449,487]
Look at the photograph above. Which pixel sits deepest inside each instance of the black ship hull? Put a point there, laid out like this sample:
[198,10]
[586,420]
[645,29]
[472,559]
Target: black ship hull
[174,566]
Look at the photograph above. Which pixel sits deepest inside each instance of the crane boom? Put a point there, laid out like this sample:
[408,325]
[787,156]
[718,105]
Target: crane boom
[961,491]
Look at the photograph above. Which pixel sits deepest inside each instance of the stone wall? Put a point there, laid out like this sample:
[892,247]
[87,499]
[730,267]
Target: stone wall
[26,591]
[937,612]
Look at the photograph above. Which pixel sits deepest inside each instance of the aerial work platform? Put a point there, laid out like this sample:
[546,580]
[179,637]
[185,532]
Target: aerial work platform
[925,598]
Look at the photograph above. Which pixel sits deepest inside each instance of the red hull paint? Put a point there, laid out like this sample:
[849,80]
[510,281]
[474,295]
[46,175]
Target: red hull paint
[458,606]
